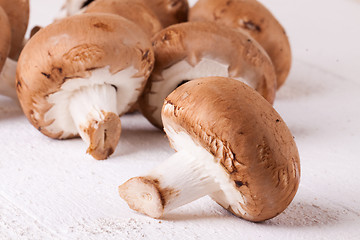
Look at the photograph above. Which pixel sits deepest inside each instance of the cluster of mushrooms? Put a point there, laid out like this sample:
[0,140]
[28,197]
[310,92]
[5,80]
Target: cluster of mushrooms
[206,75]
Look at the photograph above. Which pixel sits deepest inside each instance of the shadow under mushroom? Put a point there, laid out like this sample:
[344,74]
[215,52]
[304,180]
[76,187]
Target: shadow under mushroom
[9,109]
[307,214]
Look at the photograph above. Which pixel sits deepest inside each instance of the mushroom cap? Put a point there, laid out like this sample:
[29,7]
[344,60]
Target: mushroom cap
[254,18]
[133,11]
[5,37]
[197,40]
[169,12]
[247,137]
[18,15]
[74,48]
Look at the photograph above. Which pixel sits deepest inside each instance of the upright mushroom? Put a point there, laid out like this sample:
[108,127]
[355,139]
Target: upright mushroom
[77,75]
[231,144]
[257,20]
[192,50]
[168,11]
[131,10]
[14,17]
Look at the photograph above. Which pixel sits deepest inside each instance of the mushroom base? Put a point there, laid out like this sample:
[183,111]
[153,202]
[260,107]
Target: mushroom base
[181,179]
[104,136]
[7,79]
[94,111]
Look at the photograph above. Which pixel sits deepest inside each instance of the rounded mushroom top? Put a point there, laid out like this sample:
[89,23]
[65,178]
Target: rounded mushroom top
[169,11]
[80,51]
[18,15]
[235,51]
[133,11]
[246,136]
[5,37]
[254,18]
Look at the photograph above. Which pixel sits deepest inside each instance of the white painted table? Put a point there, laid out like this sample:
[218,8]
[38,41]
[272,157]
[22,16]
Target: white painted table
[51,190]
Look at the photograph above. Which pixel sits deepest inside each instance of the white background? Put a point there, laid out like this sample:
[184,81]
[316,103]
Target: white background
[50,189]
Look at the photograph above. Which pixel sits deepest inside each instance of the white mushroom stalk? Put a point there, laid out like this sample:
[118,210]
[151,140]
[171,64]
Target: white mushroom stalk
[95,115]
[91,107]
[7,79]
[186,176]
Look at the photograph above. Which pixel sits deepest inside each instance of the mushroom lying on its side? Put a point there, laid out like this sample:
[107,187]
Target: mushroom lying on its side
[14,17]
[192,50]
[231,144]
[168,11]
[131,10]
[257,20]
[77,75]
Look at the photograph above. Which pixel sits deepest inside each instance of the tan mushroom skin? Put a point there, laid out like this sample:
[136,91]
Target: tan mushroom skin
[78,74]
[5,37]
[231,144]
[257,20]
[7,65]
[18,15]
[131,10]
[192,50]
[169,12]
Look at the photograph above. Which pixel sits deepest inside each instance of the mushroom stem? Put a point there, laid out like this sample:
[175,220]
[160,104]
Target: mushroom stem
[7,79]
[94,111]
[181,179]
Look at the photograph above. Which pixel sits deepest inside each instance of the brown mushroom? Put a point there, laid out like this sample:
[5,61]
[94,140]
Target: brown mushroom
[77,75]
[168,11]
[5,37]
[257,20]
[7,66]
[34,30]
[131,10]
[18,15]
[231,144]
[192,50]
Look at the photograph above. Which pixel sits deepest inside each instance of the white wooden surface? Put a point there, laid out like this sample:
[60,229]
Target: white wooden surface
[51,190]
